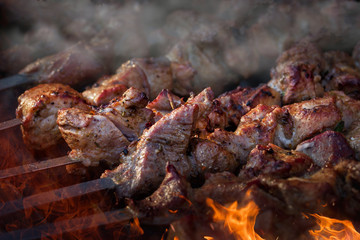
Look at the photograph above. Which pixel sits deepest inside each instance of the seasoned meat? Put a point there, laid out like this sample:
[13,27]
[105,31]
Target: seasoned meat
[129,114]
[327,148]
[349,108]
[158,73]
[209,157]
[342,74]
[352,134]
[285,127]
[271,160]
[297,73]
[76,66]
[108,88]
[143,168]
[167,203]
[38,109]
[91,136]
[165,102]
[229,107]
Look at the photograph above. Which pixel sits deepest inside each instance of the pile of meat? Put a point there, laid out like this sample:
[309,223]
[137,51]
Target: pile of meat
[293,142]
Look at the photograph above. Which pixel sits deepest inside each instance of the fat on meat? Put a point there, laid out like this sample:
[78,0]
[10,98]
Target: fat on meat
[38,109]
[91,136]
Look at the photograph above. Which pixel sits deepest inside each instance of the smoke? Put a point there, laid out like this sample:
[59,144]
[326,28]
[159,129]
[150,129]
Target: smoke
[242,38]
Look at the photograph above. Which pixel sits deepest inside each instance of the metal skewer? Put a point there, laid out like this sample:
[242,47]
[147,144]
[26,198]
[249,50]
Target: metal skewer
[56,195]
[71,225]
[9,124]
[15,80]
[36,167]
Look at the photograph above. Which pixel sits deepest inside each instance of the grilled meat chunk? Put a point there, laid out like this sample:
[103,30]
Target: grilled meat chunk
[272,160]
[342,74]
[349,108]
[38,109]
[75,66]
[165,102]
[129,114]
[167,140]
[229,107]
[326,149]
[209,157]
[352,134]
[297,73]
[167,203]
[92,137]
[108,88]
[285,127]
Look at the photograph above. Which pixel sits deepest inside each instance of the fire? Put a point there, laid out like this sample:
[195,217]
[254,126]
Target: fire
[239,221]
[331,229]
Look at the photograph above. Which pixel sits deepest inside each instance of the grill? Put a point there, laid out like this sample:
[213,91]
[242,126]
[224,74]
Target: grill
[235,42]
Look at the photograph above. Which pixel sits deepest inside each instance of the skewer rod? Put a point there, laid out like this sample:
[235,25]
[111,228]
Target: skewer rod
[15,80]
[56,195]
[35,167]
[9,124]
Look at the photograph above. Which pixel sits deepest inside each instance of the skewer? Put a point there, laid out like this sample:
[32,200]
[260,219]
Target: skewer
[70,225]
[14,81]
[10,123]
[56,195]
[36,167]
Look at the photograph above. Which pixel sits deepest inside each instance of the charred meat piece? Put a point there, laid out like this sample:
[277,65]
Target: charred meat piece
[342,74]
[209,157]
[271,160]
[91,136]
[129,114]
[167,140]
[297,73]
[167,203]
[349,107]
[353,136]
[164,103]
[326,149]
[285,127]
[110,87]
[38,109]
[75,66]
[229,107]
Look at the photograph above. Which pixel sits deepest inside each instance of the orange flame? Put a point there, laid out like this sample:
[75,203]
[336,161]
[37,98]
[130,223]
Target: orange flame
[331,229]
[239,221]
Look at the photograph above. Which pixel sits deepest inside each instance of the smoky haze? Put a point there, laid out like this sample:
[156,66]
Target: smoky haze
[228,42]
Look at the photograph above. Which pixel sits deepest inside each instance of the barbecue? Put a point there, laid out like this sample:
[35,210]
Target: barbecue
[161,147]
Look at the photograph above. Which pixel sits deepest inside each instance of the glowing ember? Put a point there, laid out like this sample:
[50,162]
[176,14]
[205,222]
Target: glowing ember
[239,221]
[331,229]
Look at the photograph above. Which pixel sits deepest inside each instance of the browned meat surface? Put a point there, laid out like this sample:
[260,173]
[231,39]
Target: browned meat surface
[165,102]
[229,107]
[76,66]
[91,136]
[349,108]
[353,136]
[38,109]
[209,157]
[167,202]
[342,74]
[129,114]
[108,88]
[143,168]
[158,74]
[297,73]
[285,127]
[327,149]
[271,160]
